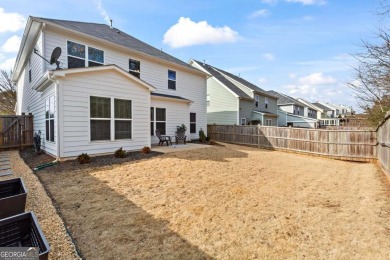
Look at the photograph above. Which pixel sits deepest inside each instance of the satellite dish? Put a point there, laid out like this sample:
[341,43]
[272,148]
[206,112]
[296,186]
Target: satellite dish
[54,57]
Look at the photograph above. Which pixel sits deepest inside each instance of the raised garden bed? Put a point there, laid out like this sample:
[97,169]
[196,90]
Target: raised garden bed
[23,230]
[13,196]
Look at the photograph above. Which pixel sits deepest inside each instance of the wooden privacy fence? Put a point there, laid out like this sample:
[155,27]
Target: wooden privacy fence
[16,131]
[384,144]
[354,145]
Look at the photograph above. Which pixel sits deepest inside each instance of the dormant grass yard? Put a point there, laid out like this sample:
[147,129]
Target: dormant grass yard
[226,202]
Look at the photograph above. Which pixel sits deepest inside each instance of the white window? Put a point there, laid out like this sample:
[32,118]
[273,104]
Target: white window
[298,110]
[29,70]
[134,68]
[102,120]
[257,100]
[158,120]
[266,102]
[268,122]
[172,79]
[49,118]
[243,121]
[78,57]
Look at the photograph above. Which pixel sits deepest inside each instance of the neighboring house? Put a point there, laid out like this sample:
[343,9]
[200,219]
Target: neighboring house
[329,114]
[310,110]
[233,100]
[112,90]
[292,112]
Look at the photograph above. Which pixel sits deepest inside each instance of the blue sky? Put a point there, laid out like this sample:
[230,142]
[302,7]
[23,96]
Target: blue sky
[299,47]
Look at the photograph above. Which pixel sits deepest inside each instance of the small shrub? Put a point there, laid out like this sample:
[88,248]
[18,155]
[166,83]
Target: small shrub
[145,150]
[120,153]
[202,136]
[83,158]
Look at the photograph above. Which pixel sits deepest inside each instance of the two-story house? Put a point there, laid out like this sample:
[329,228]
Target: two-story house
[310,110]
[233,100]
[112,90]
[292,112]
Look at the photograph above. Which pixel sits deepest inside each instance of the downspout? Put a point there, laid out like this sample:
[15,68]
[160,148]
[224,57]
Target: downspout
[42,166]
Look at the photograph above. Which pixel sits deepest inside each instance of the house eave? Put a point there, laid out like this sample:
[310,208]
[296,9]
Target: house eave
[29,39]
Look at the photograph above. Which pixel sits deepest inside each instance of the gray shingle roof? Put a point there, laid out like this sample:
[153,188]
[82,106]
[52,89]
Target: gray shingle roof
[114,35]
[322,106]
[168,96]
[284,99]
[215,73]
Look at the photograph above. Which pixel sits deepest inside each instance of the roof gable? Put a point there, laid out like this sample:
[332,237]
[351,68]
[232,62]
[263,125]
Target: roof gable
[284,99]
[217,75]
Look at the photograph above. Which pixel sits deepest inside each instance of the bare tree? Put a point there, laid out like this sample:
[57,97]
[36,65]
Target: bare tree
[372,72]
[7,94]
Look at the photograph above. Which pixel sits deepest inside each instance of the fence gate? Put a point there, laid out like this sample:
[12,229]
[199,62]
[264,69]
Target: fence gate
[16,131]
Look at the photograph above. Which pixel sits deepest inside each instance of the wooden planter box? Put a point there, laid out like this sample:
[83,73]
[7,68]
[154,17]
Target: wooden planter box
[13,196]
[23,230]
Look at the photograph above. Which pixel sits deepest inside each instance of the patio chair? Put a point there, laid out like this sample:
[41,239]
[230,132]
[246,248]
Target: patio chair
[163,138]
[180,136]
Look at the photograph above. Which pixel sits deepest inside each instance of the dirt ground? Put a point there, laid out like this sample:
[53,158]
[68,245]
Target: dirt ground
[228,202]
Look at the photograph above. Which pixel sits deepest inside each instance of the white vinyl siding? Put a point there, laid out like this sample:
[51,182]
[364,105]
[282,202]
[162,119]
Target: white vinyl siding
[76,93]
[189,84]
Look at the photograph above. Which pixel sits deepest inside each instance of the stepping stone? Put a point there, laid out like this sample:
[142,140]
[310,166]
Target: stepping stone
[6,173]
[2,168]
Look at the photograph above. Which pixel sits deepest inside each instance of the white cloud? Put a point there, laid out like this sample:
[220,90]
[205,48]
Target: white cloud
[12,44]
[103,12]
[308,2]
[262,80]
[304,2]
[11,22]
[292,75]
[269,56]
[270,2]
[317,79]
[259,13]
[8,64]
[187,33]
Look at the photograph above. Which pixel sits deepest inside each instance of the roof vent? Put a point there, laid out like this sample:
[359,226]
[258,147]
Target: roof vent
[111,23]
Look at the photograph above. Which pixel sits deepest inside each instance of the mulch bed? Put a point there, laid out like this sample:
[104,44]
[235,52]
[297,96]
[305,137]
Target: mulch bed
[33,159]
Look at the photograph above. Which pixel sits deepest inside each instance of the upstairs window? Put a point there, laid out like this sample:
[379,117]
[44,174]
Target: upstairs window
[77,56]
[266,102]
[134,68]
[171,79]
[256,100]
[95,57]
[298,110]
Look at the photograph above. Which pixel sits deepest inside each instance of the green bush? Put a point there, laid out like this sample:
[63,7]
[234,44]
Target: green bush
[83,158]
[145,150]
[202,136]
[120,153]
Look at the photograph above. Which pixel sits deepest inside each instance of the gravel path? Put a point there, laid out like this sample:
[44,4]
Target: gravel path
[39,202]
